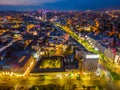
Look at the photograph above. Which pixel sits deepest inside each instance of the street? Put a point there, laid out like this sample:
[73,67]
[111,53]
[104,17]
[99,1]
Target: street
[16,83]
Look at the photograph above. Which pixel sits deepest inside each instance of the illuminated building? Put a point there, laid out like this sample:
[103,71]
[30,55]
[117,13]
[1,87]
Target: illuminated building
[90,62]
[18,66]
[117,58]
[78,54]
[44,15]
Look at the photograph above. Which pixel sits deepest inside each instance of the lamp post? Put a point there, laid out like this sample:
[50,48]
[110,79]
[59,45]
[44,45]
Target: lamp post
[36,56]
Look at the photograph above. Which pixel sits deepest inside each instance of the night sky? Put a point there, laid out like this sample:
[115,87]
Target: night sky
[59,4]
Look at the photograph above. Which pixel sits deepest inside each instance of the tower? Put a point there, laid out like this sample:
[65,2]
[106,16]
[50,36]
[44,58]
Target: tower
[44,15]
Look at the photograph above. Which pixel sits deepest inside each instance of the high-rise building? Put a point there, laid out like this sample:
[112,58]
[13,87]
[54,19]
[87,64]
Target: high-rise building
[90,62]
[44,15]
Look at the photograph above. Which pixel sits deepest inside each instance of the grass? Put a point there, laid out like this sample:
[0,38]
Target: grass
[51,63]
[115,76]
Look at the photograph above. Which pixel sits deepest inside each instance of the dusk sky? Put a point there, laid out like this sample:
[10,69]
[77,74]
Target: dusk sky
[59,4]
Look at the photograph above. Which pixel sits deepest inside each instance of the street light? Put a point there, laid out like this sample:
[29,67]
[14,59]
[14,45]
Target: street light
[3,73]
[96,49]
[66,75]
[36,56]
[91,43]
[59,75]
[92,46]
[11,74]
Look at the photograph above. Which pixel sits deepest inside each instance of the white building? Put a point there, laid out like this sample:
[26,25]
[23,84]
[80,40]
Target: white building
[99,43]
[109,53]
[90,62]
[117,58]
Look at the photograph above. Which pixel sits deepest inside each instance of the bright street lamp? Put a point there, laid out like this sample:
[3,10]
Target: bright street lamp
[35,55]
[96,49]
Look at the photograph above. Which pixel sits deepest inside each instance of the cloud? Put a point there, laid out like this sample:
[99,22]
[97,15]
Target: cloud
[25,2]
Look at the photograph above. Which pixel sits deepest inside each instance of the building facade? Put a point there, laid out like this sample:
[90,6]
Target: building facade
[90,63]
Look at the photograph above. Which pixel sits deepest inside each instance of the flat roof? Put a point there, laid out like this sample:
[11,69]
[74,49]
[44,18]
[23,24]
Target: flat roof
[96,37]
[23,62]
[90,56]
[20,62]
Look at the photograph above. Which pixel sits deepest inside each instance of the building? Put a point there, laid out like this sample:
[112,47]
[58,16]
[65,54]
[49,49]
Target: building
[18,66]
[90,62]
[102,44]
[117,58]
[110,53]
[78,53]
[44,15]
[43,67]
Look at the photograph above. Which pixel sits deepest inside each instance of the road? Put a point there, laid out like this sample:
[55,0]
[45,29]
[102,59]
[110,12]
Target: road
[6,46]
[17,83]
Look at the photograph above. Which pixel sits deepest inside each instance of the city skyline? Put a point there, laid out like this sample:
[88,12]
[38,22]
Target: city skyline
[59,4]
[60,45]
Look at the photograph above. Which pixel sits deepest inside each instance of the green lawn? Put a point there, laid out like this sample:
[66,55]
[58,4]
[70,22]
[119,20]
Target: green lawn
[115,76]
[51,63]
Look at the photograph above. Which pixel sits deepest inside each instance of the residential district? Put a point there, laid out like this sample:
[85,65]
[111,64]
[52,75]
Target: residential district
[60,50]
